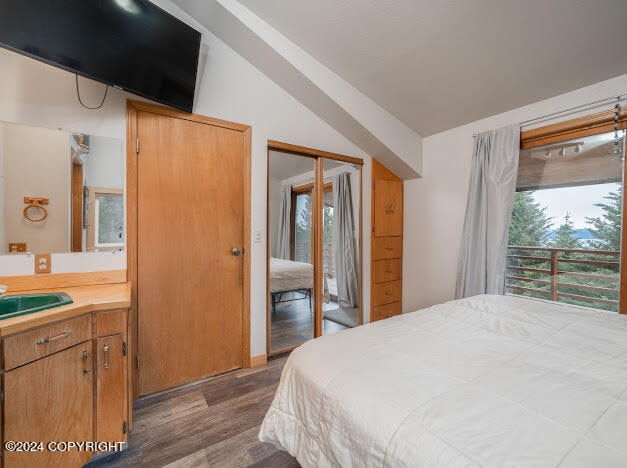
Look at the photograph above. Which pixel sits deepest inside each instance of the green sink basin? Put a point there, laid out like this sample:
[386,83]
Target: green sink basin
[21,304]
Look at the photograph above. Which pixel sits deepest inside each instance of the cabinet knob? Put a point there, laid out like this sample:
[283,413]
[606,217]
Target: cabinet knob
[85,354]
[388,292]
[86,372]
[389,247]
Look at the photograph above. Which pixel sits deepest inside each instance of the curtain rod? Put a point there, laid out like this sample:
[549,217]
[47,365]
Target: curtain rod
[525,123]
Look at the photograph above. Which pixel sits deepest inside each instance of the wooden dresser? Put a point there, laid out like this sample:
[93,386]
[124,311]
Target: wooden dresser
[386,243]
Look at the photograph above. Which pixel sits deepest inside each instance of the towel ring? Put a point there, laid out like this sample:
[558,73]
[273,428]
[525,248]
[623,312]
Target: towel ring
[35,202]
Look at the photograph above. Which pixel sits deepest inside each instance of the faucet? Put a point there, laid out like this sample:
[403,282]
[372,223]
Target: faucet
[3,289]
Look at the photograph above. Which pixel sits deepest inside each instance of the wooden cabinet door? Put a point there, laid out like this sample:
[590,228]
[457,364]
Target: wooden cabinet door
[111,389]
[50,400]
[388,208]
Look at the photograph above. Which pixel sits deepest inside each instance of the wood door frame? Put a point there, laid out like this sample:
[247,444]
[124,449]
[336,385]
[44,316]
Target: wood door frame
[77,207]
[588,125]
[132,109]
[317,193]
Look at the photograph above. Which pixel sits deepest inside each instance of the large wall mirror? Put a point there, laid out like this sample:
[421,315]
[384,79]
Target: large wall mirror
[314,273]
[61,191]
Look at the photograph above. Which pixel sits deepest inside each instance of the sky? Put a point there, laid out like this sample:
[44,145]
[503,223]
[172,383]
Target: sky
[577,201]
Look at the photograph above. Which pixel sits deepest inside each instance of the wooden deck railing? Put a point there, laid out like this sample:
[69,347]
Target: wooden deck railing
[582,276]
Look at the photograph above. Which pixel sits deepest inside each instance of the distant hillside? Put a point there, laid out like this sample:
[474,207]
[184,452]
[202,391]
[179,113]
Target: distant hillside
[582,234]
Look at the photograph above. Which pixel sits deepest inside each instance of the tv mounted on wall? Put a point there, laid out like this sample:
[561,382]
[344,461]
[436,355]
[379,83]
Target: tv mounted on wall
[129,44]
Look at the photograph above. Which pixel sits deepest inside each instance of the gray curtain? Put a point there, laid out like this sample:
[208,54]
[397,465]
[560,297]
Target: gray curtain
[282,247]
[344,242]
[481,268]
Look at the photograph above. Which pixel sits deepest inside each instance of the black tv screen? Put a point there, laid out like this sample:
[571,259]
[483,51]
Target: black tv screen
[130,44]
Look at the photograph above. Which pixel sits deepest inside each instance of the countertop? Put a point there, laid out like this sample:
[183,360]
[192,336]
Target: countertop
[86,299]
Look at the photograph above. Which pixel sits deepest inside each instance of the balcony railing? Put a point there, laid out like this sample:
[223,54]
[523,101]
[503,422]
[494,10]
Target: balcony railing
[578,276]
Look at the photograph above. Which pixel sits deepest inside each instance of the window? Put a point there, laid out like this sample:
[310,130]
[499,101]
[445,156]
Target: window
[565,236]
[106,219]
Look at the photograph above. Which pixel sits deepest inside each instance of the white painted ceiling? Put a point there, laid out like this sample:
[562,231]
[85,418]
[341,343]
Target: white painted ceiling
[438,64]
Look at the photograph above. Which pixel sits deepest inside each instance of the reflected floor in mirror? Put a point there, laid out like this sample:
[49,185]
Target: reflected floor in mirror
[292,323]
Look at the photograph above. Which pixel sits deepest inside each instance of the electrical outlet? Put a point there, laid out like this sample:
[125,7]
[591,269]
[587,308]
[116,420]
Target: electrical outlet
[43,263]
[258,235]
[15,247]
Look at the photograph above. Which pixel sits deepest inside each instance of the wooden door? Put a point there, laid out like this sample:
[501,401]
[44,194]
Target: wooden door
[50,400]
[111,389]
[190,217]
[388,208]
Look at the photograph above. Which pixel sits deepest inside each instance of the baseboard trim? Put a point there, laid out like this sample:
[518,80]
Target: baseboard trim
[259,360]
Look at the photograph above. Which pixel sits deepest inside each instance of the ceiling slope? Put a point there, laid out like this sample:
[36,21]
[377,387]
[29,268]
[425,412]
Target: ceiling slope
[346,109]
[439,64]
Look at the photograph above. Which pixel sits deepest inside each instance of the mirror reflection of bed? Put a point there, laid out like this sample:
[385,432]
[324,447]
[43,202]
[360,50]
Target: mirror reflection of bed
[292,214]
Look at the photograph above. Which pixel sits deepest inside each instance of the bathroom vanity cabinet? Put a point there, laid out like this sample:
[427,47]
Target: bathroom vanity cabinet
[65,382]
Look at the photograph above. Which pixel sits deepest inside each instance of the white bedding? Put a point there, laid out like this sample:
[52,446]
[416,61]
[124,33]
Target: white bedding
[287,275]
[493,381]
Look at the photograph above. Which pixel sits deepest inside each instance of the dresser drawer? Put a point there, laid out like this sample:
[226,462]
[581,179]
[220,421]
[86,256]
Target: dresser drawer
[387,270]
[386,293]
[387,247]
[387,311]
[111,322]
[40,342]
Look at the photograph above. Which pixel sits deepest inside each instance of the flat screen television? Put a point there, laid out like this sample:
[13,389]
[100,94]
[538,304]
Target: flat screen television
[130,44]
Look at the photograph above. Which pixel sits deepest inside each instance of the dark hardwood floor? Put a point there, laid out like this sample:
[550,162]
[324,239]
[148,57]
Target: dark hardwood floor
[211,423]
[292,323]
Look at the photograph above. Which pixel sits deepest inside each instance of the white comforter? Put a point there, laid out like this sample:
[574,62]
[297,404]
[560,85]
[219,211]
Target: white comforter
[287,275]
[493,381]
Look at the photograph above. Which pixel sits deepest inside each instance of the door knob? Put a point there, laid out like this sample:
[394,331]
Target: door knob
[235,251]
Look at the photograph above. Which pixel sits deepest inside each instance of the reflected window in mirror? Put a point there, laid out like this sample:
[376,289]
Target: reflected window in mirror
[106,221]
[341,272]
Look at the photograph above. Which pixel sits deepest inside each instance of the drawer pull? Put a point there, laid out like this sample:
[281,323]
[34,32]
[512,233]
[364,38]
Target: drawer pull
[52,339]
[389,248]
[389,270]
[105,351]
[388,292]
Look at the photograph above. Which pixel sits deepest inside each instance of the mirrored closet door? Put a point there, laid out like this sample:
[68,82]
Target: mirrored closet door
[291,239]
[314,246]
[341,218]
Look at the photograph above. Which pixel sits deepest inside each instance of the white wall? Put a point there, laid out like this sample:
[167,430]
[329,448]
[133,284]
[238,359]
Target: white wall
[104,165]
[36,164]
[2,234]
[435,205]
[231,89]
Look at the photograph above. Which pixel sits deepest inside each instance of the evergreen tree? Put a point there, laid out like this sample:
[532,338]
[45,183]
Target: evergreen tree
[607,228]
[565,238]
[530,224]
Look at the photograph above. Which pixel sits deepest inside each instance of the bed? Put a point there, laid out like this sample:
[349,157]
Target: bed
[492,381]
[289,276]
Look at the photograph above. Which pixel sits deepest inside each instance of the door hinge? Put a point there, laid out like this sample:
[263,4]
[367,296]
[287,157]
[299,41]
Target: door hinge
[124,348]
[137,359]
[372,186]
[1,395]
[123,427]
[137,145]
[372,228]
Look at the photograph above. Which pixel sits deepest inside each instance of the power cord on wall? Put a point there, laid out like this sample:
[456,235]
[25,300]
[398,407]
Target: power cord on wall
[78,94]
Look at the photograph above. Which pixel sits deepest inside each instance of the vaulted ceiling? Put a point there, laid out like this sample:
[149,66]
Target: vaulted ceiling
[386,73]
[437,64]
